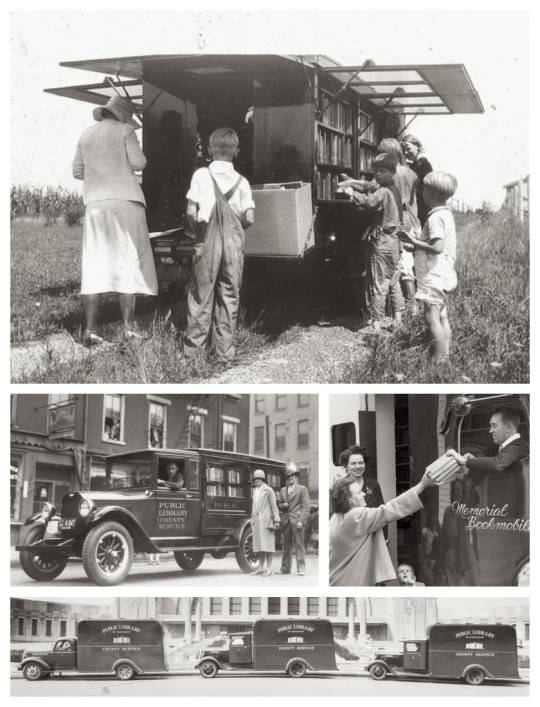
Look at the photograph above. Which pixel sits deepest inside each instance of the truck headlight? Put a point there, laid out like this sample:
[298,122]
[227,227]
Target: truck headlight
[47,511]
[85,507]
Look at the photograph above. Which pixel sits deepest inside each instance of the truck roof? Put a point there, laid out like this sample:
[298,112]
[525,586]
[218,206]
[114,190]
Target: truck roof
[411,88]
[202,450]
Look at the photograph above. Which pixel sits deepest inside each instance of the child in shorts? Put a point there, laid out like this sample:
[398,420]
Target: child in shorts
[220,206]
[435,259]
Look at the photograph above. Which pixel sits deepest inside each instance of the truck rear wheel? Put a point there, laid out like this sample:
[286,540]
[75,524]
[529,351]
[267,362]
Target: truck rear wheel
[125,671]
[377,672]
[474,676]
[33,671]
[245,556]
[208,669]
[296,669]
[189,561]
[39,565]
[107,553]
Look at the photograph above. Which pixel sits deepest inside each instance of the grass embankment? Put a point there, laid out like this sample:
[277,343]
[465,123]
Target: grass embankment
[489,316]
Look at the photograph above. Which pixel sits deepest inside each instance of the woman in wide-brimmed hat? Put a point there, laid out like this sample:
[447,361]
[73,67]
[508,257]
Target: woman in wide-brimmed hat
[117,256]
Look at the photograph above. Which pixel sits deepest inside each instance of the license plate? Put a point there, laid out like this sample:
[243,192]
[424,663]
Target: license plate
[67,523]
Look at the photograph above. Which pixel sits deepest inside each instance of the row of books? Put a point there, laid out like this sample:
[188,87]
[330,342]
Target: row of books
[219,475]
[327,183]
[227,491]
[367,128]
[333,148]
[338,115]
[365,157]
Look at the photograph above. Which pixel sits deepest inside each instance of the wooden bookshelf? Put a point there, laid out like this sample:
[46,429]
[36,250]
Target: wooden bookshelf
[334,148]
[366,142]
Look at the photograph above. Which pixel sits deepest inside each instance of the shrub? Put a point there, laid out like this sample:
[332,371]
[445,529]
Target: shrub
[344,652]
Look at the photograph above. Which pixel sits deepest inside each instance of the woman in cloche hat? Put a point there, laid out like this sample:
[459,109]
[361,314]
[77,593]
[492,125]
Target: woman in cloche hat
[117,256]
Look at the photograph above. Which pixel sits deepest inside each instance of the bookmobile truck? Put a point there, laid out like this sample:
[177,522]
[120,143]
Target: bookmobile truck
[302,121]
[123,647]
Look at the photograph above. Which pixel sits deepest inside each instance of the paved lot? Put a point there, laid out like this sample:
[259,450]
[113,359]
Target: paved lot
[219,573]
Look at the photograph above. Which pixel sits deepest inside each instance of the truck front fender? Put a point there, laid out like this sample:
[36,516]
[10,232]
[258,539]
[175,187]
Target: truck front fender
[141,540]
[213,660]
[35,659]
[239,530]
[384,664]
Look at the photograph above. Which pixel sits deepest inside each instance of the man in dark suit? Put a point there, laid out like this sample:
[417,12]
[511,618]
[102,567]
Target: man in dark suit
[293,505]
[503,427]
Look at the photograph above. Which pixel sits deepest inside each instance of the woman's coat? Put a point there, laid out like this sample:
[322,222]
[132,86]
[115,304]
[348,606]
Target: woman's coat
[358,552]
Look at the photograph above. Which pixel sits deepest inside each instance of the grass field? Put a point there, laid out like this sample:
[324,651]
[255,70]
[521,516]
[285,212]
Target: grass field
[489,314]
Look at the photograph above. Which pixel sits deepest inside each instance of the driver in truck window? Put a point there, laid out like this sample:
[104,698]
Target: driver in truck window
[174,478]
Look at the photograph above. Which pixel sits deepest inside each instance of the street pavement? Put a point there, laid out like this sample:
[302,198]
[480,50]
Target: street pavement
[257,685]
[219,573]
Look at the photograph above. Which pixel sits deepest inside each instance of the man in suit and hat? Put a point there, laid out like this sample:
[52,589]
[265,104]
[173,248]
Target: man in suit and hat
[293,504]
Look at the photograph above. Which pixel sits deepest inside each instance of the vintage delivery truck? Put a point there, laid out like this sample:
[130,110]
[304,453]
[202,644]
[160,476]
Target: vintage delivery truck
[292,645]
[469,652]
[121,647]
[139,510]
[301,120]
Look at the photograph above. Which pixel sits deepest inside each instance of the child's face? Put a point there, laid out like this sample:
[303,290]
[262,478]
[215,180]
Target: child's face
[432,199]
[409,150]
[383,175]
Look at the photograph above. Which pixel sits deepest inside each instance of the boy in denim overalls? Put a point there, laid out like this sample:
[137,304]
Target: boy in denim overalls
[220,206]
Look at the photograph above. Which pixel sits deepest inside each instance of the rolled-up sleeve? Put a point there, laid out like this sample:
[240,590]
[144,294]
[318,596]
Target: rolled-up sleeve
[78,163]
[135,155]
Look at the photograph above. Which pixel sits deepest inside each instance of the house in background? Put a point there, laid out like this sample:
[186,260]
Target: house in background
[59,441]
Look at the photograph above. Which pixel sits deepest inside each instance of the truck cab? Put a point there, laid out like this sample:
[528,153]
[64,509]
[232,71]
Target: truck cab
[154,500]
[61,658]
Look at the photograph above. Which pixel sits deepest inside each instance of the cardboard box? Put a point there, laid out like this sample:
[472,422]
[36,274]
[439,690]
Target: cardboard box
[283,220]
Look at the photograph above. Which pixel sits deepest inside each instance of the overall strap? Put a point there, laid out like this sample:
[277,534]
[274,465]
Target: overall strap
[231,191]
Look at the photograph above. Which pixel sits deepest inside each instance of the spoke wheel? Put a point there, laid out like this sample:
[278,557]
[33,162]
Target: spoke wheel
[107,553]
[245,556]
[39,565]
